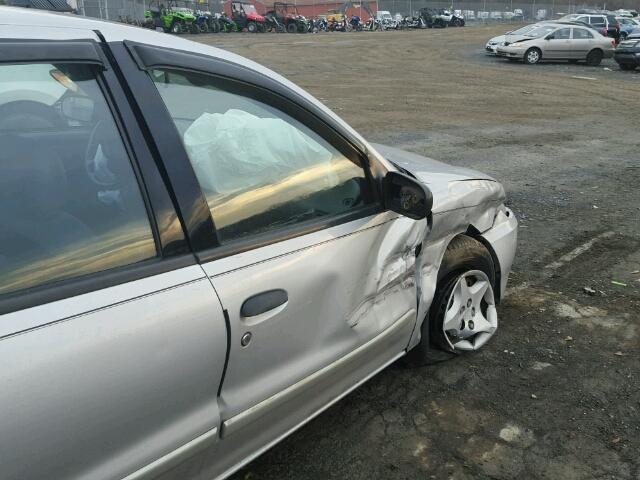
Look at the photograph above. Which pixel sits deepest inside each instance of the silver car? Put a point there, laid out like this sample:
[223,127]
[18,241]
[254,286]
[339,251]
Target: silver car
[558,42]
[198,257]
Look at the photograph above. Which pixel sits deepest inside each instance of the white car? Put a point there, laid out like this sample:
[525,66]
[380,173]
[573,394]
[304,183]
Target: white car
[197,257]
[495,42]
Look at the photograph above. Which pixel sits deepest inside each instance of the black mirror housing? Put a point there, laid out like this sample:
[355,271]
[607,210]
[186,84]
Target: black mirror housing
[407,196]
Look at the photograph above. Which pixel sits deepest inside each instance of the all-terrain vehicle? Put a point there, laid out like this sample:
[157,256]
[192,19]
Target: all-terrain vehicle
[171,19]
[246,16]
[227,25]
[287,14]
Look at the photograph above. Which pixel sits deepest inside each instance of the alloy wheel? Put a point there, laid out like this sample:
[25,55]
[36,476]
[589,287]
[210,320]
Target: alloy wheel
[471,318]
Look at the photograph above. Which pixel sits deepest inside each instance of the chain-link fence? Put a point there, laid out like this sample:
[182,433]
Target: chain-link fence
[489,11]
[474,11]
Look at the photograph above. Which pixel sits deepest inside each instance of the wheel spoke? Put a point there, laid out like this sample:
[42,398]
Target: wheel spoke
[477,292]
[452,315]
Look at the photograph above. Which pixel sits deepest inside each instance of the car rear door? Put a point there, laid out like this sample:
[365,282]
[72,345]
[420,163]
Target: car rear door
[112,339]
[316,279]
[582,42]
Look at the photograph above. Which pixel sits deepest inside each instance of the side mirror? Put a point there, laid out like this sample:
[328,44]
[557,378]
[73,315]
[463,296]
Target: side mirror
[406,196]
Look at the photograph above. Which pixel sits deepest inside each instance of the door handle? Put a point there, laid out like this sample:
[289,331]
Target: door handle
[263,302]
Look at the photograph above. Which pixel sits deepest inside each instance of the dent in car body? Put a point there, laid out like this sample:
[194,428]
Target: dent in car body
[462,198]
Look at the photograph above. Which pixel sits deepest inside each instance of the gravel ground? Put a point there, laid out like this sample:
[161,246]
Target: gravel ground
[556,394]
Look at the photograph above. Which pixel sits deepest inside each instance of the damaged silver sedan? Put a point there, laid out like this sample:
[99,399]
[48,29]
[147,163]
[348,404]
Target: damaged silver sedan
[203,257]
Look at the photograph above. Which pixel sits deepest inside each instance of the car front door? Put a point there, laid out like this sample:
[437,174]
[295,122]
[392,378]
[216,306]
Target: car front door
[316,279]
[558,45]
[112,339]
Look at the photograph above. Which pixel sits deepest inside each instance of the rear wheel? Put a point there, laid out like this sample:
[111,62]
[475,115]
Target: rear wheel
[204,27]
[532,56]
[594,57]
[291,28]
[176,27]
[463,315]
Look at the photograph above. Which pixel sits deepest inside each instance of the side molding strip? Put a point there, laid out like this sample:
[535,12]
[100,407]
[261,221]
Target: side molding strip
[243,419]
[175,457]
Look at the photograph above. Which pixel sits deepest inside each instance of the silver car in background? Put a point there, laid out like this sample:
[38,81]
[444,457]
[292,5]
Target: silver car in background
[558,42]
[492,45]
[201,257]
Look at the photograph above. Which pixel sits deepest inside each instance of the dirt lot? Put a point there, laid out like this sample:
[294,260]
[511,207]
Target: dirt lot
[556,394]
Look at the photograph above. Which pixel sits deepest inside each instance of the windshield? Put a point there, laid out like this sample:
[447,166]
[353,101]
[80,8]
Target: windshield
[523,30]
[540,31]
[248,8]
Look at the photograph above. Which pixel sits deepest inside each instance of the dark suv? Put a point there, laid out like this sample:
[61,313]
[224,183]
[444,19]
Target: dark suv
[628,52]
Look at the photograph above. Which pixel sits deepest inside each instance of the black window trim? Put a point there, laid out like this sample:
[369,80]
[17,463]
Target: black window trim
[165,261]
[261,87]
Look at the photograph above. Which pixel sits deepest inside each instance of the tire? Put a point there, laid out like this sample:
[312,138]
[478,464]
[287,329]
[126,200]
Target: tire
[176,27]
[627,67]
[594,57]
[463,256]
[292,28]
[252,27]
[204,27]
[194,29]
[532,56]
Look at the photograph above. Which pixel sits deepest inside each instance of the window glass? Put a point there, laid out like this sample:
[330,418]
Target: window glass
[581,34]
[562,34]
[598,21]
[69,200]
[259,168]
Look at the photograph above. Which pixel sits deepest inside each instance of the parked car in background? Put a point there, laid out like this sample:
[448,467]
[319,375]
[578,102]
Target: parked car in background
[627,25]
[627,55]
[197,257]
[557,41]
[607,25]
[541,14]
[494,42]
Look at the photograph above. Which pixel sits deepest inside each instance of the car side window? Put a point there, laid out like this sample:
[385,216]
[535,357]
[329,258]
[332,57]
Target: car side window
[259,168]
[581,34]
[69,199]
[583,19]
[597,21]
[562,34]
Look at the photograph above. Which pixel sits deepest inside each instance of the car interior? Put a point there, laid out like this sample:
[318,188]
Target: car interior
[66,181]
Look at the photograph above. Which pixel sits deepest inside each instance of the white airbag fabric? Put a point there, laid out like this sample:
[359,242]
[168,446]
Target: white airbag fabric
[236,150]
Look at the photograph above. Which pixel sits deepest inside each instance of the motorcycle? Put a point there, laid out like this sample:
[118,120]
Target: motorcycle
[271,24]
[226,24]
[355,23]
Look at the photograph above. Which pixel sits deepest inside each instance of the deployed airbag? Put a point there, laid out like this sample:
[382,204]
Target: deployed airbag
[236,150]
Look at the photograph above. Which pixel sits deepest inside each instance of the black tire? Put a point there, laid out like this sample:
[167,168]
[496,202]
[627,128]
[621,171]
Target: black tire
[292,28]
[594,57]
[627,67]
[204,27]
[252,27]
[462,255]
[176,27]
[532,56]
